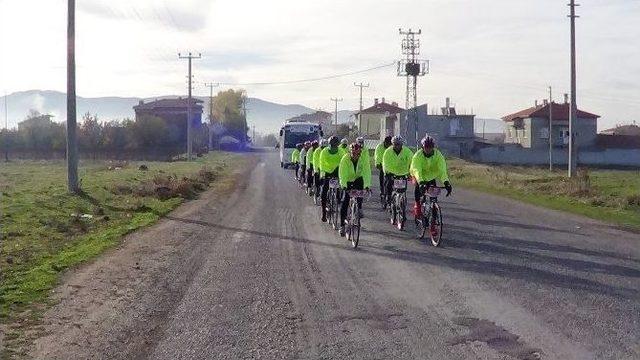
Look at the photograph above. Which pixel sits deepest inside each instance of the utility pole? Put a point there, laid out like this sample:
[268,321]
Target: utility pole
[361,86]
[211,86]
[550,132]
[189,144]
[336,100]
[411,67]
[72,141]
[210,132]
[573,110]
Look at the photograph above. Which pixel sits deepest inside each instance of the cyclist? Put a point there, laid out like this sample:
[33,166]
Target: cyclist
[396,162]
[365,150]
[344,145]
[295,158]
[329,162]
[427,166]
[316,164]
[303,161]
[314,146]
[378,153]
[354,173]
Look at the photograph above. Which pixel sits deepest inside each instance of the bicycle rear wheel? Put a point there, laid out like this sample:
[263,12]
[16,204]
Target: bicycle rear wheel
[435,228]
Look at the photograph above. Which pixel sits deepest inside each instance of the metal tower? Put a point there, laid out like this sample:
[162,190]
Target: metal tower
[411,67]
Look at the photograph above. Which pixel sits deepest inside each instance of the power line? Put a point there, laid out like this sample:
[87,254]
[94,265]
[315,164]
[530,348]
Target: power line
[328,77]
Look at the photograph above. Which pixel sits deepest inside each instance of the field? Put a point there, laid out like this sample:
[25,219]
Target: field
[45,230]
[612,196]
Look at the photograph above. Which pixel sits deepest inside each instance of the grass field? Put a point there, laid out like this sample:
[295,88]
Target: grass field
[609,195]
[45,230]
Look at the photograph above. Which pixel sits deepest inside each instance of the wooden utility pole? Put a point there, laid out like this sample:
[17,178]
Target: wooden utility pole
[336,100]
[72,141]
[550,131]
[573,110]
[361,86]
[189,100]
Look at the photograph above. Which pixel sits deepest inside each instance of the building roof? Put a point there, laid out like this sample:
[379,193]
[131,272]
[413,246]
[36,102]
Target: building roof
[381,108]
[559,112]
[167,103]
[632,130]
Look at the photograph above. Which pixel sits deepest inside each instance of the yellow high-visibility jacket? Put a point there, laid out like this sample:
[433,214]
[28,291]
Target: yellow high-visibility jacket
[295,156]
[428,168]
[309,158]
[329,162]
[348,172]
[397,164]
[316,159]
[378,153]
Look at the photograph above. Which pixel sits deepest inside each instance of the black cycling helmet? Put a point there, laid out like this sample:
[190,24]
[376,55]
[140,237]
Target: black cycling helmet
[397,140]
[299,146]
[360,141]
[387,140]
[334,141]
[428,142]
[315,144]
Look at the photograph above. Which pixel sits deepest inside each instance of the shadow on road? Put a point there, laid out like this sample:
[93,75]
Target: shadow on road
[433,256]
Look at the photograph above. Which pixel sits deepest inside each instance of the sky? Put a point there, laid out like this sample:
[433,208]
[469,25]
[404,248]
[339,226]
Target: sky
[494,57]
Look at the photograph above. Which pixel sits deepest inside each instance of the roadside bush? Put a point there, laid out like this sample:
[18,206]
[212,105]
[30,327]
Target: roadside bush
[633,200]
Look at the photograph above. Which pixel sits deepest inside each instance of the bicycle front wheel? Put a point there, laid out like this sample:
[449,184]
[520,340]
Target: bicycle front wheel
[354,225]
[402,212]
[421,225]
[436,225]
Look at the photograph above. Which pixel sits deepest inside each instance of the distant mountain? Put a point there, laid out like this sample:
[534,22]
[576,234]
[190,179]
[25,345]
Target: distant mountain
[265,115]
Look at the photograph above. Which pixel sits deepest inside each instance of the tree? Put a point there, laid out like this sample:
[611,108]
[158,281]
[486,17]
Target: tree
[150,132]
[91,134]
[37,131]
[8,141]
[227,106]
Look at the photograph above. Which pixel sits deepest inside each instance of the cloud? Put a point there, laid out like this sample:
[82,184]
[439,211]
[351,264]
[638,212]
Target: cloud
[187,15]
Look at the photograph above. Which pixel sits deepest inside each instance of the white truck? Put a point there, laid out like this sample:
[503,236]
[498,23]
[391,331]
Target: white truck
[293,133]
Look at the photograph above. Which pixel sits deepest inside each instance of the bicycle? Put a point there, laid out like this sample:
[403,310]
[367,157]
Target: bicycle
[398,202]
[431,215]
[333,213]
[353,216]
[317,194]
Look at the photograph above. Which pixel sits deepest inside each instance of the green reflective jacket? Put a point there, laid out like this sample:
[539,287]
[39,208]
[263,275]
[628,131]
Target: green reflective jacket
[316,159]
[397,164]
[428,168]
[378,153]
[295,156]
[365,155]
[329,162]
[309,158]
[348,173]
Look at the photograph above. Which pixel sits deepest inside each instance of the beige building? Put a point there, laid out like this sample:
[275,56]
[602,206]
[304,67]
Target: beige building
[370,120]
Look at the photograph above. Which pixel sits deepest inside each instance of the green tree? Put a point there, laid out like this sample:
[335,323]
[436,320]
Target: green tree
[91,134]
[150,132]
[227,106]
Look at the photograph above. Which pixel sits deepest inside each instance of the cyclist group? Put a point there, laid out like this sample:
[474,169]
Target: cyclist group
[334,164]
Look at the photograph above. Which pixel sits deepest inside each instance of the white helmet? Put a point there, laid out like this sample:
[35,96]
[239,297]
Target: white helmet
[324,142]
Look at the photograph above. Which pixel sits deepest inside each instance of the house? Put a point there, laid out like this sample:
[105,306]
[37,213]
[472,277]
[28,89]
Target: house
[174,113]
[454,133]
[530,127]
[370,121]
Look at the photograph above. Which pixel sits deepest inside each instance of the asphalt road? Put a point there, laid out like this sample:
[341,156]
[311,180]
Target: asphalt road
[259,276]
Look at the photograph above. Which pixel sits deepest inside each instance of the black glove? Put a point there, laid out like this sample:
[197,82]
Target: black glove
[447,185]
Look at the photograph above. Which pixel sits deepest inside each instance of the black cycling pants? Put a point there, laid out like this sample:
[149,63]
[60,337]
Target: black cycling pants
[357,184]
[381,178]
[325,190]
[309,176]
